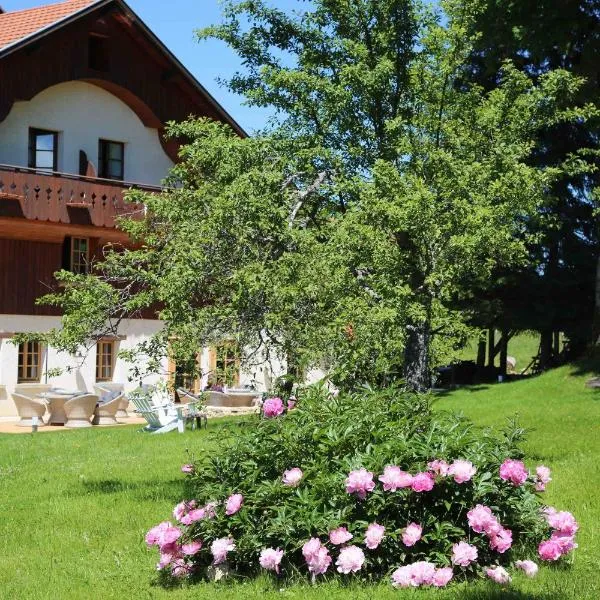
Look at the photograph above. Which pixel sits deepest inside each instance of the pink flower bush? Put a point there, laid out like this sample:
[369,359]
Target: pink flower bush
[566,542]
[183,508]
[550,550]
[422,482]
[187,468]
[360,482]
[395,478]
[163,534]
[513,471]
[412,534]
[463,554]
[422,573]
[316,556]
[291,404]
[402,577]
[191,548]
[498,574]
[233,504]
[439,467]
[501,541]
[528,567]
[219,549]
[562,521]
[292,477]
[270,559]
[339,536]
[181,569]
[350,560]
[542,478]
[462,471]
[482,520]
[374,536]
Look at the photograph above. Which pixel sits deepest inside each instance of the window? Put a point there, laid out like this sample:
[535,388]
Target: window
[29,369]
[226,365]
[105,360]
[43,149]
[79,255]
[111,159]
[98,56]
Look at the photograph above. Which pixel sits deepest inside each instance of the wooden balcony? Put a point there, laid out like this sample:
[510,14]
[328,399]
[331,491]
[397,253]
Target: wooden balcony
[65,199]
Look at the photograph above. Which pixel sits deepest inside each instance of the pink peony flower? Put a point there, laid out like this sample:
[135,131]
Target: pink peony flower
[374,535]
[292,477]
[210,511]
[194,515]
[187,468]
[439,467]
[394,478]
[191,548]
[169,535]
[543,478]
[181,569]
[463,554]
[422,482]
[498,574]
[183,508]
[462,470]
[311,548]
[350,560]
[272,407]
[270,559]
[291,404]
[562,521]
[422,573]
[482,520]
[412,534]
[360,482]
[233,504]
[566,542]
[550,550]
[168,554]
[528,567]
[155,534]
[441,577]
[513,471]
[402,577]
[339,536]
[501,541]
[219,549]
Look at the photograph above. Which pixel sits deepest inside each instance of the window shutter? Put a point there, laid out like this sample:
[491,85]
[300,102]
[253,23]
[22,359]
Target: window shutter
[66,254]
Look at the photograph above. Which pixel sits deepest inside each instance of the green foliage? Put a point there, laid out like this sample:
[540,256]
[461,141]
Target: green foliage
[329,437]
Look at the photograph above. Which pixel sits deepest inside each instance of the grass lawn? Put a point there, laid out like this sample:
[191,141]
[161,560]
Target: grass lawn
[76,504]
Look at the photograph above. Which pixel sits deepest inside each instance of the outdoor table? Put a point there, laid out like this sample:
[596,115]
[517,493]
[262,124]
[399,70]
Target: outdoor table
[56,406]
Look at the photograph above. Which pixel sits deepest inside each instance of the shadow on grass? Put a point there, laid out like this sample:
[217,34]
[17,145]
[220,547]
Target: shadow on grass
[154,489]
[508,594]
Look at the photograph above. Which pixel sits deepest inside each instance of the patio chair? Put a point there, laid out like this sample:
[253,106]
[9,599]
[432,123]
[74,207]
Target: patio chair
[109,391]
[105,413]
[27,408]
[80,410]
[160,419]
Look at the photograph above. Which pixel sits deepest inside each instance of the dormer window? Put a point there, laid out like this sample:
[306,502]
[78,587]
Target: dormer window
[98,57]
[43,149]
[111,160]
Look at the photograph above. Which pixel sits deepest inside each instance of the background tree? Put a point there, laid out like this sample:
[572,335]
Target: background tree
[389,188]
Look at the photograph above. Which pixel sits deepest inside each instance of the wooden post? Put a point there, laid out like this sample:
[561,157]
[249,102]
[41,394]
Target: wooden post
[491,344]
[481,353]
[556,344]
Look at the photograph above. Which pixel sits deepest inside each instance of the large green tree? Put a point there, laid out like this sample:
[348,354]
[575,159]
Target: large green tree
[387,189]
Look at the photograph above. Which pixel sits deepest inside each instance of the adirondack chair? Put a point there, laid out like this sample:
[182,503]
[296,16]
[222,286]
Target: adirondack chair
[160,419]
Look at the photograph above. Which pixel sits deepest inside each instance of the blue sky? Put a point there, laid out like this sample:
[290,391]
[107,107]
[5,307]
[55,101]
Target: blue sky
[174,22]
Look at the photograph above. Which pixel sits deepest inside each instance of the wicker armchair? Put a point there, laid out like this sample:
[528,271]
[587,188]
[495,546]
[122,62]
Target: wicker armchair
[27,408]
[79,410]
[105,413]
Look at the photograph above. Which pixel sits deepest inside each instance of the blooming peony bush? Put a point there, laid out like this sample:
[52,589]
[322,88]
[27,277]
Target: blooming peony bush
[371,486]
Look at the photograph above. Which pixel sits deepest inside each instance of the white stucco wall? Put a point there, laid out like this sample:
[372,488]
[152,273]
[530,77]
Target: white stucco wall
[81,378]
[82,114]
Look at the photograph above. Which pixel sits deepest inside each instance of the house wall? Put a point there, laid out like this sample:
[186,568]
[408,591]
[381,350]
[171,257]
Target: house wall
[82,114]
[83,375]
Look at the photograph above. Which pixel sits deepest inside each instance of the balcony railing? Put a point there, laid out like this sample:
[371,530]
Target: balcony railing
[64,198]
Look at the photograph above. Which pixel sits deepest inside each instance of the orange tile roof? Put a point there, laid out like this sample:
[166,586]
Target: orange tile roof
[19,24]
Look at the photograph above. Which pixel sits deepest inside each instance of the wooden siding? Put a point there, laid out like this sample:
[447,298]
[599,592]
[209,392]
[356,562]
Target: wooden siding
[26,270]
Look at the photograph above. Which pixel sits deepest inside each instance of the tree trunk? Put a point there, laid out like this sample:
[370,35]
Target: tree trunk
[546,349]
[481,353]
[503,352]
[416,357]
[491,346]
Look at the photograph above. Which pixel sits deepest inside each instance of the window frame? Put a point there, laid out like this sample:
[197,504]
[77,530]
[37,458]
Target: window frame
[83,267]
[104,159]
[26,362]
[226,363]
[34,133]
[101,366]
